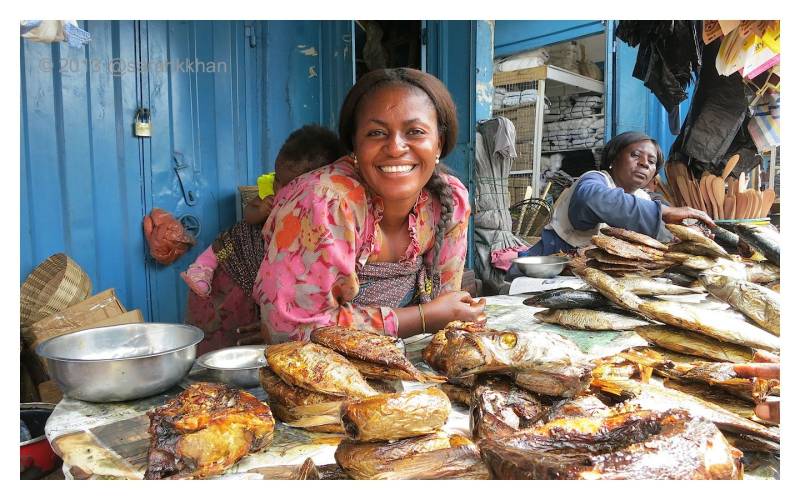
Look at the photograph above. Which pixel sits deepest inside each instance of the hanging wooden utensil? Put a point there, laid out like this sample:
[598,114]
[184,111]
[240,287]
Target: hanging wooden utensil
[698,196]
[712,200]
[704,192]
[741,205]
[673,184]
[756,203]
[742,182]
[767,201]
[718,189]
[728,207]
[732,161]
[732,185]
[684,189]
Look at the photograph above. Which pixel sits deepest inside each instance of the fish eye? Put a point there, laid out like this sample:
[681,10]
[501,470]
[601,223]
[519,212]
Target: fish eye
[508,340]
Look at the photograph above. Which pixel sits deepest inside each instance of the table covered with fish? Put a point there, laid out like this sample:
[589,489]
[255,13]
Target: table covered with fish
[629,374]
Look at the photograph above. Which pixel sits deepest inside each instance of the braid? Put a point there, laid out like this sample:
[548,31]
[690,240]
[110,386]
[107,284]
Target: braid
[439,186]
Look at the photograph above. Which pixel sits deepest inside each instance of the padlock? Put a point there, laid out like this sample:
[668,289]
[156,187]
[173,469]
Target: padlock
[141,123]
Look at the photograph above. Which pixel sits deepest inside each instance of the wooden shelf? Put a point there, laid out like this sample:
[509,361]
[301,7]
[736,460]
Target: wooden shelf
[548,73]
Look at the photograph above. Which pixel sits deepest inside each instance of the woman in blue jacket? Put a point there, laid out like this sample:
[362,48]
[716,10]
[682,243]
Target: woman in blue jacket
[613,196]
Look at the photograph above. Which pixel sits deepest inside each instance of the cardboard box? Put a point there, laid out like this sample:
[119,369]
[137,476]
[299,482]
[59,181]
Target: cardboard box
[97,308]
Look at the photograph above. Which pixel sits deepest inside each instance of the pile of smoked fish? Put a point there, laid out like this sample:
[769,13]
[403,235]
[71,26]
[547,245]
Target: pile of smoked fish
[539,407]
[329,385]
[534,416]
[694,345]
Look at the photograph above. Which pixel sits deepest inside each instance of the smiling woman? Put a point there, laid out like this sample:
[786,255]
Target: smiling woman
[613,196]
[377,240]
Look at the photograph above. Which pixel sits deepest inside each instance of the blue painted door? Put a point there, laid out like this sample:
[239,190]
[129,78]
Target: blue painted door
[200,78]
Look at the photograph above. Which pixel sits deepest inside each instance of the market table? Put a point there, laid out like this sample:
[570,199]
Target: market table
[110,441]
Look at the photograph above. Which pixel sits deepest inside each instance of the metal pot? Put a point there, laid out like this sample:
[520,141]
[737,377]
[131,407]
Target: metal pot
[36,456]
[121,362]
[234,365]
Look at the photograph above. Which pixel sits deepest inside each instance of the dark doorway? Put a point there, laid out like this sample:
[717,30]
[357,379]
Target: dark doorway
[387,44]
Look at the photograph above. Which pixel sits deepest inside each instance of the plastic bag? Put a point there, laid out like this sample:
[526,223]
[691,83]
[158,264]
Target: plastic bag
[166,237]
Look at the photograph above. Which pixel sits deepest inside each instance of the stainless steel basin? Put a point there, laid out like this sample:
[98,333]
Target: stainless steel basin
[123,362]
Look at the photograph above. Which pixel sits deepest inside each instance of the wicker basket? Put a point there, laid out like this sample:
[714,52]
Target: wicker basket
[53,286]
[524,119]
[247,193]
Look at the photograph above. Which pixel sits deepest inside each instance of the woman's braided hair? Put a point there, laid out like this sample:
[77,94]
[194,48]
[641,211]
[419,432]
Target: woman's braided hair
[447,122]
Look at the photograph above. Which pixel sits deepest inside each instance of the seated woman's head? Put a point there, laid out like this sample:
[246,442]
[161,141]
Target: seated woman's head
[398,123]
[306,149]
[633,159]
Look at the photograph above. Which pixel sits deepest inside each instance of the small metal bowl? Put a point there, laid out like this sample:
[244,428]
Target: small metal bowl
[547,266]
[234,365]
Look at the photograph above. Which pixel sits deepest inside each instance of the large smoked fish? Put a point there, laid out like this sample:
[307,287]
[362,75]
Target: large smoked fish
[656,398]
[629,445]
[317,368]
[204,430]
[686,342]
[386,417]
[370,348]
[633,237]
[718,324]
[541,353]
[299,407]
[758,303]
[434,456]
[499,408]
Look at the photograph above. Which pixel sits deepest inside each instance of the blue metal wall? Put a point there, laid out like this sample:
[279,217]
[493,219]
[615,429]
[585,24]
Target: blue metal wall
[81,171]
[86,181]
[511,37]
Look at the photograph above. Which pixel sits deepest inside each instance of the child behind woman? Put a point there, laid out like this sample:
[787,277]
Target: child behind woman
[232,261]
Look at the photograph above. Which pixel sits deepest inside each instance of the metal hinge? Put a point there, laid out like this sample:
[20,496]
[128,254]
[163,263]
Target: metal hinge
[250,34]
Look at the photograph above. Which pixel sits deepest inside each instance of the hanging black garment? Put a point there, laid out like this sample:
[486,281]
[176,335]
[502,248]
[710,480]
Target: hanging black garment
[716,125]
[669,53]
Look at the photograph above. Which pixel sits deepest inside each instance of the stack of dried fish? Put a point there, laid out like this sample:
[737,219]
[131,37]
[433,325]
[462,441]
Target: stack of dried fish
[621,252]
[307,383]
[375,356]
[399,436]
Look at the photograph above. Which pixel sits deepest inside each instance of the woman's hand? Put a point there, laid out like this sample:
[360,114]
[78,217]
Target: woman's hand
[453,306]
[764,365]
[675,215]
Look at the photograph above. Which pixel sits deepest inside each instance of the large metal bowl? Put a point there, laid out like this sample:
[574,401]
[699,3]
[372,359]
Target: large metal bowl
[123,362]
[235,365]
[548,266]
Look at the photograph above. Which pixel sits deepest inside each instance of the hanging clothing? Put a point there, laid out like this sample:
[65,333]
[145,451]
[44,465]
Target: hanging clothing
[495,244]
[716,125]
[669,53]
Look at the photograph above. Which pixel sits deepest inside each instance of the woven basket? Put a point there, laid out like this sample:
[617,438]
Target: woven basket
[53,286]
[524,119]
[247,193]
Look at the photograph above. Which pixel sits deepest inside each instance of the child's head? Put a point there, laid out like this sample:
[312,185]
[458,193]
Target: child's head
[306,149]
